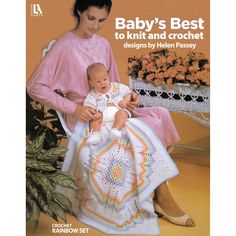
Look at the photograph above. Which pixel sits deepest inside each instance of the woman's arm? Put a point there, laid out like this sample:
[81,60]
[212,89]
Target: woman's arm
[47,78]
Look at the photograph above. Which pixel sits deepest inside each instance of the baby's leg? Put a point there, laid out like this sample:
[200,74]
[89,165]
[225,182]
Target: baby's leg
[119,122]
[95,125]
[120,118]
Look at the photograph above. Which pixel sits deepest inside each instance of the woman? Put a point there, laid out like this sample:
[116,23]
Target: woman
[60,82]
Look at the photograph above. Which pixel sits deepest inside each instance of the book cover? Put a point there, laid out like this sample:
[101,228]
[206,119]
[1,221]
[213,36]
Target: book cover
[162,51]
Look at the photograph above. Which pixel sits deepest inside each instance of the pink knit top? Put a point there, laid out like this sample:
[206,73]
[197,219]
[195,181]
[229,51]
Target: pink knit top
[65,69]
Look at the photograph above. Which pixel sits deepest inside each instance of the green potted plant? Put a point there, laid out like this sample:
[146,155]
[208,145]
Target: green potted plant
[43,157]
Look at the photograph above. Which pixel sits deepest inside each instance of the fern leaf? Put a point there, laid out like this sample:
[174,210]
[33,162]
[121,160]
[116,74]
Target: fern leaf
[52,153]
[39,165]
[63,180]
[63,200]
[58,210]
[36,146]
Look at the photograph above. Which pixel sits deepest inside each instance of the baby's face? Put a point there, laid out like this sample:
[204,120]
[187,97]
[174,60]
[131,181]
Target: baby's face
[99,80]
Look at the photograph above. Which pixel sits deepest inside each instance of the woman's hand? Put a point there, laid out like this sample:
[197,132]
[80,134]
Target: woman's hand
[123,104]
[84,114]
[133,102]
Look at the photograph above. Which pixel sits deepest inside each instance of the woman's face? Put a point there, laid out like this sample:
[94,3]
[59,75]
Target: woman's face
[91,20]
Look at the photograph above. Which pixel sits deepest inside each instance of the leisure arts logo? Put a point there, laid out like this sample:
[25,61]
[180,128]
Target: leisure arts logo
[36,10]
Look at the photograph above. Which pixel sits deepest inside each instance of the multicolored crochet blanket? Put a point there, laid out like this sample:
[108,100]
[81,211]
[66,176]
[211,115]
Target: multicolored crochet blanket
[116,179]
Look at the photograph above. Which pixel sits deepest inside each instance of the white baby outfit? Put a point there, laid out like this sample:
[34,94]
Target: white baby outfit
[99,101]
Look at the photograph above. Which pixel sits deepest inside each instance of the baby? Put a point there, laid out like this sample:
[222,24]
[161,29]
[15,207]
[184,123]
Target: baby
[109,99]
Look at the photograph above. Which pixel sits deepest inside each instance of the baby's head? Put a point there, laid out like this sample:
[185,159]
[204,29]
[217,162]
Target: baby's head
[98,78]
